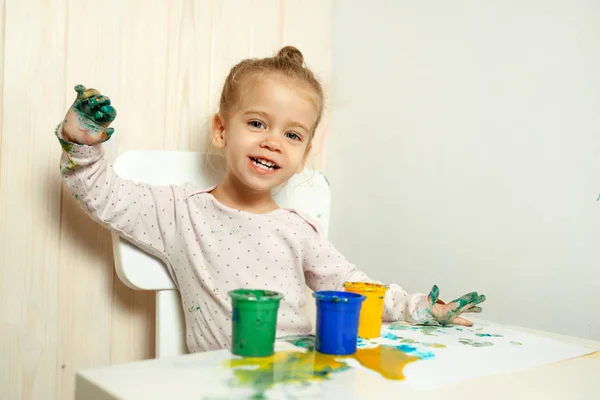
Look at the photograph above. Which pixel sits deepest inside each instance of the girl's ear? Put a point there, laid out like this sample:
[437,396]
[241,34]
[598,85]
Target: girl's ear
[218,131]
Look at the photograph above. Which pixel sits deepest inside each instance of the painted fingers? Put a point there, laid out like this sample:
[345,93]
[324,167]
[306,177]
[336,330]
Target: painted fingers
[88,118]
[94,106]
[450,313]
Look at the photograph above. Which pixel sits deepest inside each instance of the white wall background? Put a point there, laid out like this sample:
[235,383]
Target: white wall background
[465,151]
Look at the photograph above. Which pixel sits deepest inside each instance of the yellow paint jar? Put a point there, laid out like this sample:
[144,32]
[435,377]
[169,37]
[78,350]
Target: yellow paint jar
[371,312]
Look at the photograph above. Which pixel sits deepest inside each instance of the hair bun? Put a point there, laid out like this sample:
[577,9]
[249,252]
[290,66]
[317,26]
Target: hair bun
[291,54]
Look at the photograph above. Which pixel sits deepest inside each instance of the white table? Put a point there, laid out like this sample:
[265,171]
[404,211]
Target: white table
[189,377]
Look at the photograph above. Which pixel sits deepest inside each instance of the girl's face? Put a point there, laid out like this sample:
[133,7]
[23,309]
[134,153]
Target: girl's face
[267,137]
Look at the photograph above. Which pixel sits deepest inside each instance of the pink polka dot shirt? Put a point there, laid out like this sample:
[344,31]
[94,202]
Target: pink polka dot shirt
[210,248]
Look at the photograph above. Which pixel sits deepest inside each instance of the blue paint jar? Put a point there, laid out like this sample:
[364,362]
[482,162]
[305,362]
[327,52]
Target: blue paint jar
[337,321]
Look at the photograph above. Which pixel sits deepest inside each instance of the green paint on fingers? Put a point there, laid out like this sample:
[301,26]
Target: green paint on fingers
[434,295]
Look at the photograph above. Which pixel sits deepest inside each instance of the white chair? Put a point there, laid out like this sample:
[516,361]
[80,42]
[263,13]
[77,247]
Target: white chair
[308,192]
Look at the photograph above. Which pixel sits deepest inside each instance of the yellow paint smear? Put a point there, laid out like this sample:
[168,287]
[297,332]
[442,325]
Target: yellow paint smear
[301,367]
[386,360]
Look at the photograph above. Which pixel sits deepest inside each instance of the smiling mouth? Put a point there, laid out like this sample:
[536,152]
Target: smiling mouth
[264,164]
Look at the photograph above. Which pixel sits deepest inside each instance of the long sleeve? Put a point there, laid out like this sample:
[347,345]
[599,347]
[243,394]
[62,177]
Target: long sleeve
[325,268]
[143,214]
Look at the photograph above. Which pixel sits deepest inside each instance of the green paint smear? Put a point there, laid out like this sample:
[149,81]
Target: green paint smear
[428,330]
[412,341]
[474,343]
[303,341]
[290,367]
[487,335]
[516,343]
[282,367]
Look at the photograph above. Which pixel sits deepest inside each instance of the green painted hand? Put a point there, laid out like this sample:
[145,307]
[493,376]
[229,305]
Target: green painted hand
[88,118]
[450,313]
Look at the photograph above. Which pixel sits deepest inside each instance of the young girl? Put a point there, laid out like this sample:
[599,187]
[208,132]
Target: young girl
[233,235]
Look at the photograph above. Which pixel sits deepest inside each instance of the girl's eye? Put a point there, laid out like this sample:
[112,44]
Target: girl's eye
[256,124]
[293,136]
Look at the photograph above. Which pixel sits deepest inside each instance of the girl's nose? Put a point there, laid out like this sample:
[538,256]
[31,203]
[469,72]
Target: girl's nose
[271,142]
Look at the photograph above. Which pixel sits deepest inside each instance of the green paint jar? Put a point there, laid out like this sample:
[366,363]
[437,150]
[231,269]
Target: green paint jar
[254,321]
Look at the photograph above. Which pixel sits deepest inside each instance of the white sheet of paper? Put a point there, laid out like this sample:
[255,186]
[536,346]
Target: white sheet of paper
[448,355]
[481,350]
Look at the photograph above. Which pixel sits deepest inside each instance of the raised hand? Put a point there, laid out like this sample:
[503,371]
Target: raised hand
[88,118]
[450,313]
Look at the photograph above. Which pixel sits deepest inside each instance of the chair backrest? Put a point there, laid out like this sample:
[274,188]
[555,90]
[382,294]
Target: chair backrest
[308,192]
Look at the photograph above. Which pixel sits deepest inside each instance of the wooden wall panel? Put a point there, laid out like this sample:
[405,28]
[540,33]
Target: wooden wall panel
[8,324]
[33,75]
[306,25]
[187,75]
[162,63]
[101,319]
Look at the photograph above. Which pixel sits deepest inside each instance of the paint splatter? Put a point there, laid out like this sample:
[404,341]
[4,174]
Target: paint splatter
[388,361]
[289,367]
[263,373]
[389,335]
[435,345]
[474,343]
[416,352]
[428,330]
[406,340]
[193,308]
[324,177]
[516,343]
[303,341]
[412,341]
[308,342]
[488,335]
[362,343]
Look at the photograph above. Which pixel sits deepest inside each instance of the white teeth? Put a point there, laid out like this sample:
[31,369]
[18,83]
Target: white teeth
[261,166]
[264,164]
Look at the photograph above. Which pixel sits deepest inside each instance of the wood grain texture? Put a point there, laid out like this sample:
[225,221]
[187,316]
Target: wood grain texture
[2,5]
[187,75]
[62,308]
[306,25]
[8,332]
[33,78]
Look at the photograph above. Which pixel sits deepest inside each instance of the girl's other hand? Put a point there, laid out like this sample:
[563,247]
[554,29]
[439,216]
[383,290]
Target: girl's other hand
[88,118]
[450,313]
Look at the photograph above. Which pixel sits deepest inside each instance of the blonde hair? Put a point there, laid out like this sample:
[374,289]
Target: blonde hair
[288,62]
